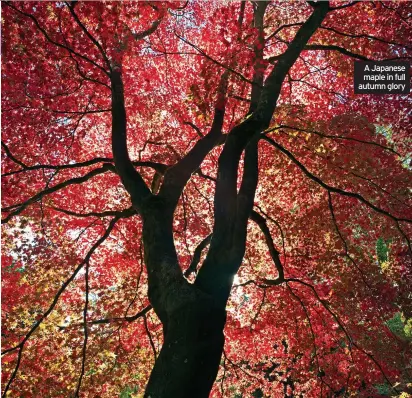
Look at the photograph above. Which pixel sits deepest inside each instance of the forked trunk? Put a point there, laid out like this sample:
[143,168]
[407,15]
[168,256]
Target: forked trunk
[192,320]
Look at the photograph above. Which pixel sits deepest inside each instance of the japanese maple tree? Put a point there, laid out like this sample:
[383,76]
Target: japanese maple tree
[196,203]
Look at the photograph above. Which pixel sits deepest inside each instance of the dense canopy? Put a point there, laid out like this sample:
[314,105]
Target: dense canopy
[254,192]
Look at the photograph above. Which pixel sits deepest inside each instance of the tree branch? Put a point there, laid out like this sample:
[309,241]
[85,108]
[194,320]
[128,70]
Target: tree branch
[73,181]
[333,137]
[345,5]
[131,179]
[261,222]
[159,167]
[132,318]
[310,324]
[351,259]
[194,127]
[342,326]
[109,213]
[10,155]
[219,266]
[48,38]
[147,32]
[364,36]
[342,50]
[149,336]
[177,176]
[85,329]
[66,283]
[228,68]
[196,256]
[259,66]
[89,35]
[246,197]
[329,187]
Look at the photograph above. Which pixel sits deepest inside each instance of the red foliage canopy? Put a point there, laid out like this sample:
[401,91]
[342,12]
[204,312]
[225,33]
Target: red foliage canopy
[320,305]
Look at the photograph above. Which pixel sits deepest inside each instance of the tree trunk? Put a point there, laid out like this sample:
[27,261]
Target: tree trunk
[189,360]
[192,320]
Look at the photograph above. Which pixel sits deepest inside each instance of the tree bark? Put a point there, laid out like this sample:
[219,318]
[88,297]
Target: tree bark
[192,320]
[189,359]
